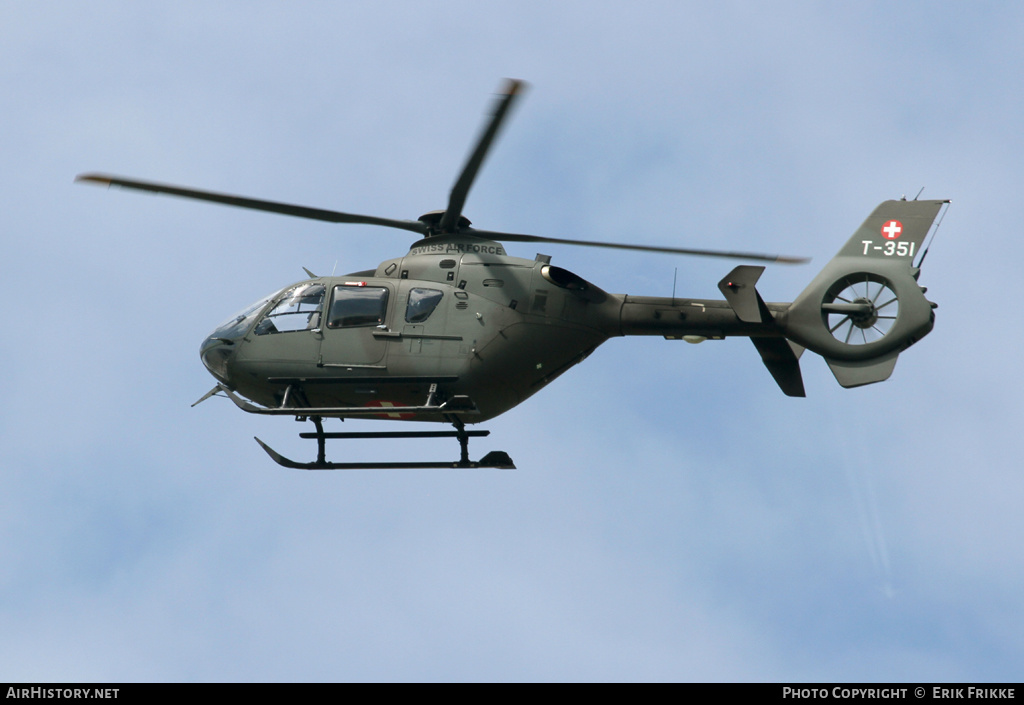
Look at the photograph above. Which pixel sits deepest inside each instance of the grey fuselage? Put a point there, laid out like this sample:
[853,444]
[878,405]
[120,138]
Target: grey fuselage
[500,329]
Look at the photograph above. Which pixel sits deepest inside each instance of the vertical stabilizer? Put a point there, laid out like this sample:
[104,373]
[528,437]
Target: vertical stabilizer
[865,307]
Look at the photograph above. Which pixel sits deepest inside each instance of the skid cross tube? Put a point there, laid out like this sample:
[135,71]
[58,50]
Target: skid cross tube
[395,434]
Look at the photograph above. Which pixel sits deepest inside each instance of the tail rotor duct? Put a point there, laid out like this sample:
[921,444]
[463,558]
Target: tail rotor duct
[860,308]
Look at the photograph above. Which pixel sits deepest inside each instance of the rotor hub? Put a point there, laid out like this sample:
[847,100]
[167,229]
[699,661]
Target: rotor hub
[866,318]
[432,220]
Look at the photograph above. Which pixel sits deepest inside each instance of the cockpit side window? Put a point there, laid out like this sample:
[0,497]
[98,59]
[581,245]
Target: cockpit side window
[299,309]
[354,306]
[422,303]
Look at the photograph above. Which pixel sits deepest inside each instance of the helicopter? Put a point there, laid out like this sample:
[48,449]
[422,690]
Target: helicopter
[458,331]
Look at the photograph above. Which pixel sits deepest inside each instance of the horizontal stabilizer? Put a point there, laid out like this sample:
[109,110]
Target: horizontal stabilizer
[738,289]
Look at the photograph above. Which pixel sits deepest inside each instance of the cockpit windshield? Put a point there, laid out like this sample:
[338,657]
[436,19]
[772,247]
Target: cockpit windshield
[237,325]
[298,309]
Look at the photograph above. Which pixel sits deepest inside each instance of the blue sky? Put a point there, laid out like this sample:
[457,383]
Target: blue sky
[674,516]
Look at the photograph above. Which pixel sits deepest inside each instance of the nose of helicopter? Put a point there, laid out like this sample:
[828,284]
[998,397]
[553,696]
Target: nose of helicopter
[215,352]
[220,346]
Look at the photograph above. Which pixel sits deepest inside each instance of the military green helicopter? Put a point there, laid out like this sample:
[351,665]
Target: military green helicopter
[458,331]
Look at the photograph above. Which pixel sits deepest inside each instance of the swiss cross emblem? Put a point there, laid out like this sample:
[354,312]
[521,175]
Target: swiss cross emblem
[892,230]
[390,405]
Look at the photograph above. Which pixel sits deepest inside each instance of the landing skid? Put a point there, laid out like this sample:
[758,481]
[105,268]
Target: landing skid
[495,459]
[450,410]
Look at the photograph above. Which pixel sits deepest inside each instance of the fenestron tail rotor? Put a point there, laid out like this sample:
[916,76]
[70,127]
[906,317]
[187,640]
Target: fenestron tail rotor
[860,309]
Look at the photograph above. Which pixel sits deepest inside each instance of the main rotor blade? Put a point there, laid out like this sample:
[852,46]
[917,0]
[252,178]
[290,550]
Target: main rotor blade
[253,203]
[460,190]
[513,237]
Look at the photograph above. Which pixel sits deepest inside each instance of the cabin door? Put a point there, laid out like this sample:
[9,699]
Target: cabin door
[353,329]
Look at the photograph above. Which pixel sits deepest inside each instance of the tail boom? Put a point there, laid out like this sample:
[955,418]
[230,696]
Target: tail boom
[860,312]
